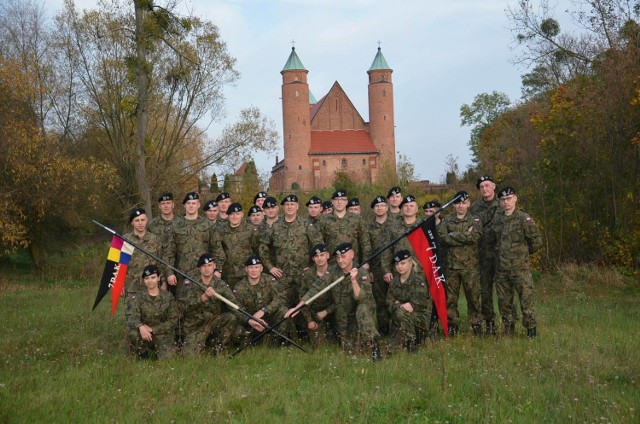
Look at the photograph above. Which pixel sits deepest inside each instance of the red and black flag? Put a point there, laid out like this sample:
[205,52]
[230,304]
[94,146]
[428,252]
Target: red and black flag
[425,243]
[115,272]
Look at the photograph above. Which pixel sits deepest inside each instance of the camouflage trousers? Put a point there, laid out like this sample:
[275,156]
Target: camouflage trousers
[357,326]
[380,289]
[520,282]
[469,279]
[487,275]
[217,333]
[163,345]
[409,326]
[247,333]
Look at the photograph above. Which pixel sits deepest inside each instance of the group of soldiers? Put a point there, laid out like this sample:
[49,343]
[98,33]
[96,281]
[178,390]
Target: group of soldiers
[270,264]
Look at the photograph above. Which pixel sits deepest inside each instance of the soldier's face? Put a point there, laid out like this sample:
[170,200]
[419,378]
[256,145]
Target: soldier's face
[151,281]
[256,218]
[487,189]
[430,211]
[354,209]
[380,209]
[192,206]
[212,213]
[166,207]
[260,201]
[254,271]
[404,266]
[339,204]
[509,202]
[290,208]
[345,260]
[206,270]
[462,207]
[410,209]
[314,210]
[327,211]
[224,205]
[271,212]
[139,223]
[235,218]
[321,259]
[395,199]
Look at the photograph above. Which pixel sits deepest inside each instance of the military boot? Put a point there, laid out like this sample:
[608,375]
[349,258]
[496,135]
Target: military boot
[509,327]
[453,330]
[490,327]
[477,330]
[531,332]
[376,356]
[411,346]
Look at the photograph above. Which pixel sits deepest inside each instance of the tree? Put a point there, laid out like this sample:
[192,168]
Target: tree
[480,113]
[214,183]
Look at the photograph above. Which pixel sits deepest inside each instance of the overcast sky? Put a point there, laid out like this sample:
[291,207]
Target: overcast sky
[442,53]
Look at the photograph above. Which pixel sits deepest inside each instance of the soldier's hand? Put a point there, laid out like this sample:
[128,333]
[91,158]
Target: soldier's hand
[276,272]
[407,307]
[354,274]
[322,315]
[312,325]
[256,325]
[145,332]
[259,314]
[172,280]
[210,292]
[388,277]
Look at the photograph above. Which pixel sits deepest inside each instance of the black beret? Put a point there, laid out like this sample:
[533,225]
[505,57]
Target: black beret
[223,196]
[205,258]
[259,195]
[408,199]
[234,207]
[149,270]
[482,179]
[269,202]
[401,255]
[393,191]
[253,260]
[190,196]
[377,200]
[339,193]
[342,248]
[290,198]
[314,200]
[165,196]
[317,249]
[327,205]
[136,213]
[354,201]
[461,196]
[254,209]
[210,205]
[431,204]
[507,191]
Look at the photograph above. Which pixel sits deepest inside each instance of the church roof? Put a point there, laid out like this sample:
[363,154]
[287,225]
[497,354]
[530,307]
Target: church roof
[379,62]
[312,98]
[293,62]
[341,141]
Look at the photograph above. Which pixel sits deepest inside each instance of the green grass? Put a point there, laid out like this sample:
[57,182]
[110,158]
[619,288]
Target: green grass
[60,362]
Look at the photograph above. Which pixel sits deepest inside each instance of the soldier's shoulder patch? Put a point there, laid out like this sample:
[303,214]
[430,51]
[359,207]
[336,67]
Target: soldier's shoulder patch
[187,282]
[476,219]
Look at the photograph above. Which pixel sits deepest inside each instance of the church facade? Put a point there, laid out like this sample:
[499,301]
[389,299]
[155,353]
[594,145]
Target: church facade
[322,138]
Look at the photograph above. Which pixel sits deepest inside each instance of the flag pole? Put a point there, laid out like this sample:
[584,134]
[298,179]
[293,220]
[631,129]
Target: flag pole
[201,286]
[339,280]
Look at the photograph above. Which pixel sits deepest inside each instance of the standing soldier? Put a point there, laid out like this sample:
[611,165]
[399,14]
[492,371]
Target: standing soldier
[239,241]
[381,231]
[212,211]
[190,237]
[259,198]
[224,201]
[409,303]
[152,318]
[207,320]
[327,207]
[517,237]
[270,209]
[314,209]
[486,209]
[408,219]
[162,225]
[342,226]
[460,235]
[149,242]
[430,208]
[256,216]
[394,198]
[353,206]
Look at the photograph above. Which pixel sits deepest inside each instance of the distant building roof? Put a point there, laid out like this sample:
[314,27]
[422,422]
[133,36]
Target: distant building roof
[312,98]
[379,62]
[293,62]
[341,141]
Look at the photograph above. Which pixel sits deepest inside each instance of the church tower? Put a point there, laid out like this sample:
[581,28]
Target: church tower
[381,119]
[297,172]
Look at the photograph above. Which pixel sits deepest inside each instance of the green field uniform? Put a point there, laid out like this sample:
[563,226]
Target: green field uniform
[355,317]
[207,324]
[238,244]
[286,246]
[158,312]
[409,326]
[189,240]
[517,236]
[152,244]
[309,279]
[461,265]
[164,230]
[349,229]
[397,230]
[486,253]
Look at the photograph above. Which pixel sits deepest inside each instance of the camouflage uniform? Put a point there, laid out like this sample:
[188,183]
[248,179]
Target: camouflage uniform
[517,236]
[158,312]
[398,229]
[286,245]
[409,326]
[355,317]
[349,229]
[461,266]
[163,229]
[380,235]
[310,278]
[151,243]
[207,324]
[486,253]
[238,244]
[189,239]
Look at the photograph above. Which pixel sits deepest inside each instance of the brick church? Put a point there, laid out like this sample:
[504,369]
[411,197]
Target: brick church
[328,136]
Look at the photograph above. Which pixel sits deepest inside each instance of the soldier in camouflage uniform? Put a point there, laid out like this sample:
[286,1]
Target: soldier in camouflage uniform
[517,237]
[211,210]
[342,226]
[239,241]
[149,242]
[208,323]
[256,216]
[189,238]
[486,209]
[409,303]
[314,209]
[152,318]
[353,206]
[460,235]
[261,295]
[327,207]
[381,230]
[162,226]
[394,198]
[354,303]
[224,201]
[259,198]
[430,208]
[408,220]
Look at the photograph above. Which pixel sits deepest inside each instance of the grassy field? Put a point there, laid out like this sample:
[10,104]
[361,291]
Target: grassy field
[60,362]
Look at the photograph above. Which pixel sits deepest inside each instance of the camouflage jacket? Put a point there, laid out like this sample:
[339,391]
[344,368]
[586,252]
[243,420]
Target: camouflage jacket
[380,235]
[486,211]
[312,281]
[266,294]
[397,230]
[517,236]
[196,312]
[158,312]
[286,245]
[415,291]
[238,243]
[460,237]
[163,229]
[189,240]
[351,228]
[151,243]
